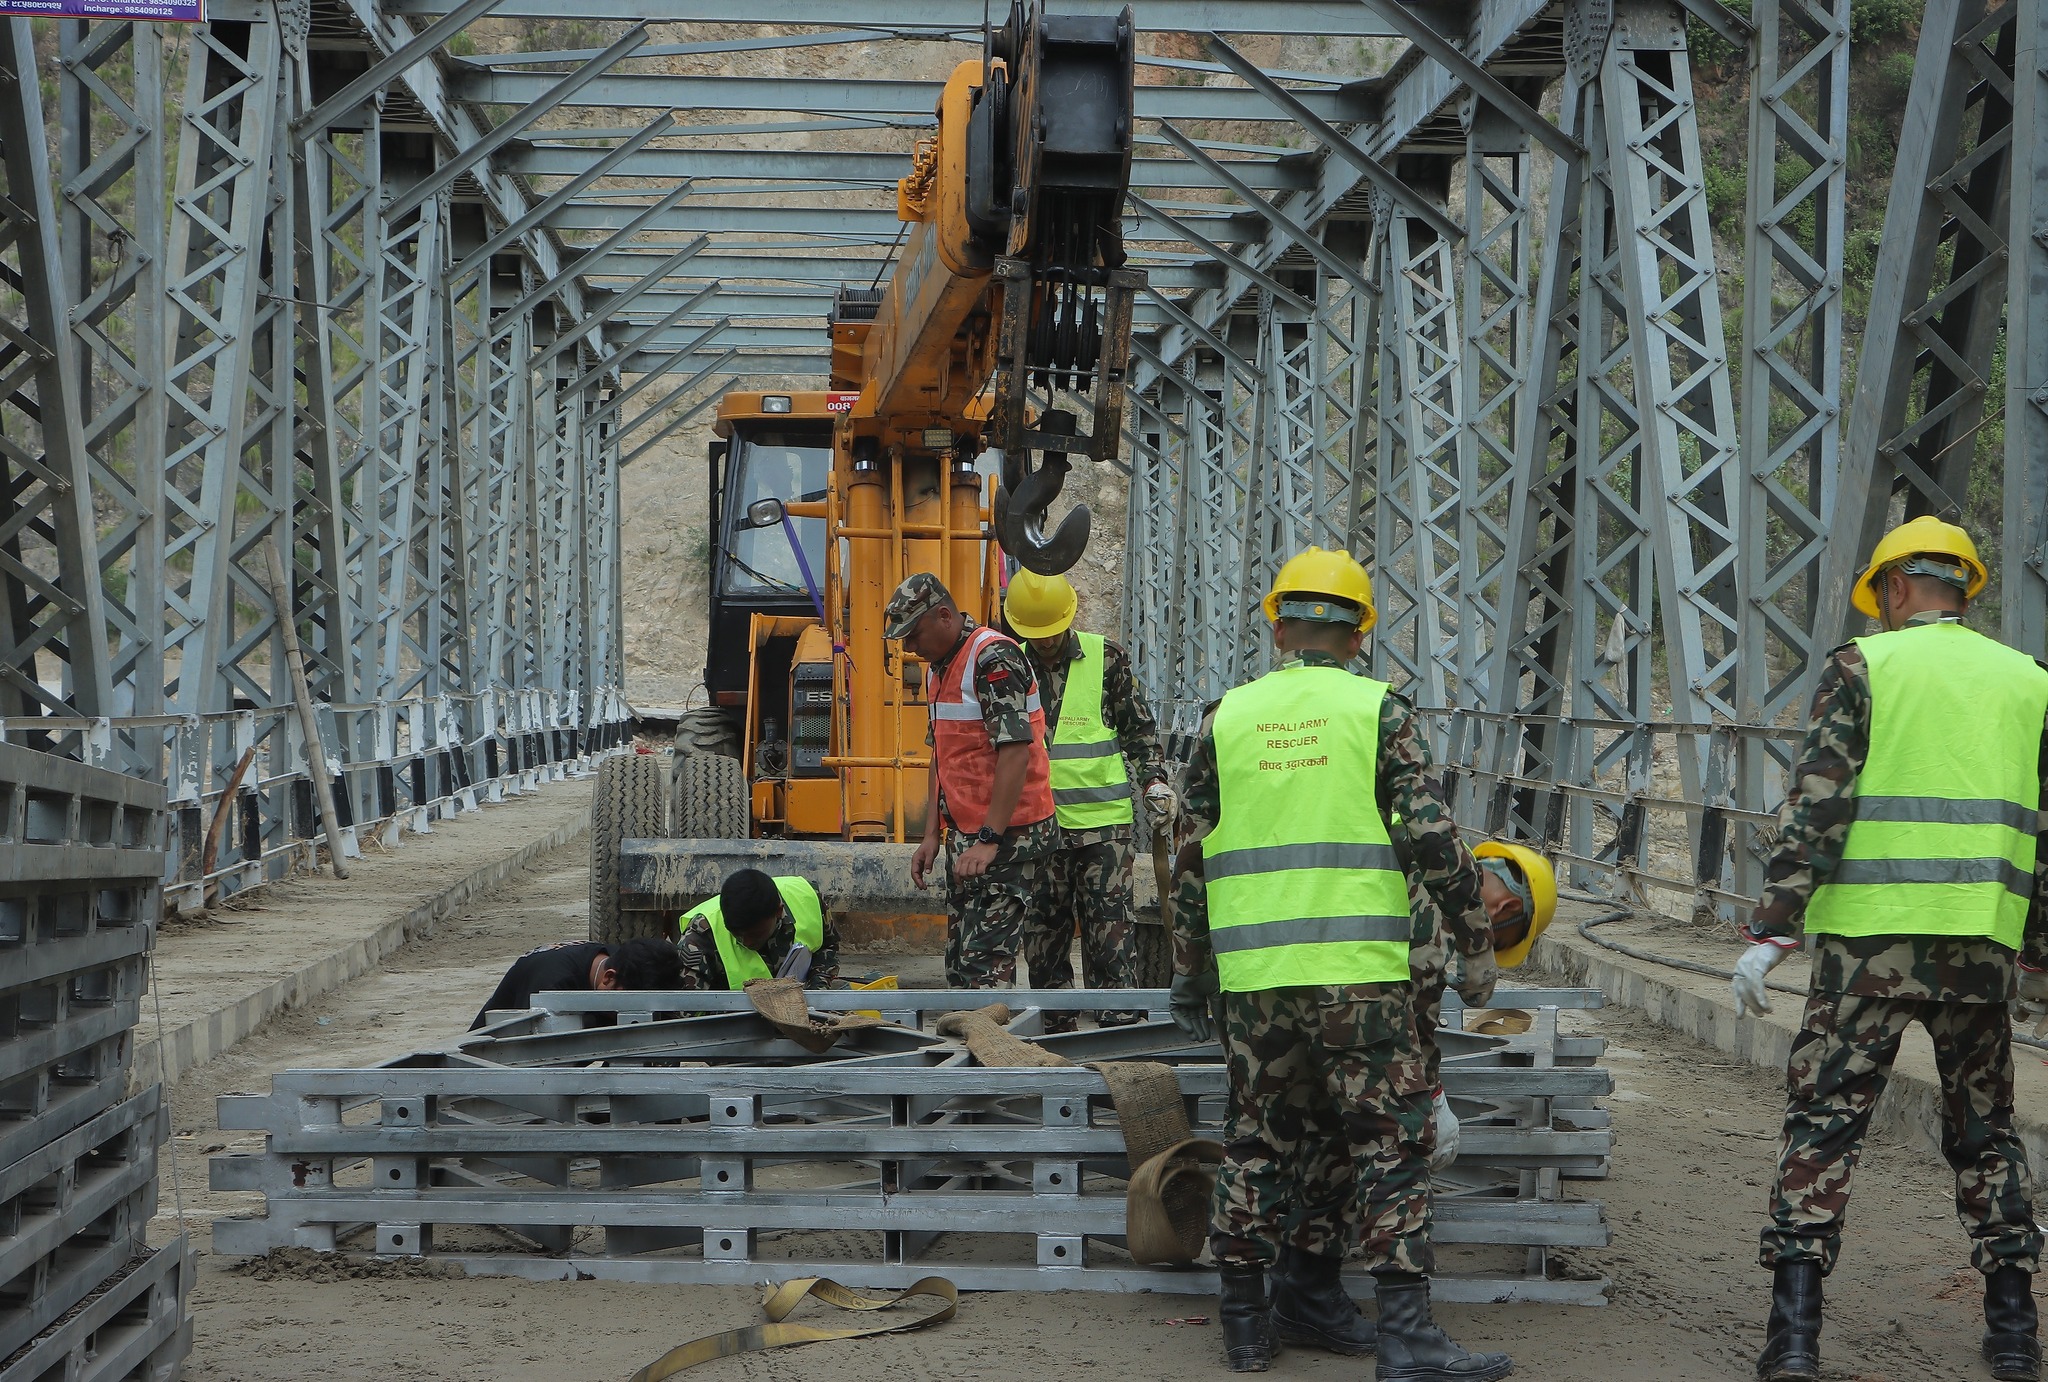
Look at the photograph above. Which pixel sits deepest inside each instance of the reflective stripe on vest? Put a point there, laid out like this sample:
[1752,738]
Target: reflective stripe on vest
[1090,785]
[741,963]
[1303,884]
[964,754]
[1948,801]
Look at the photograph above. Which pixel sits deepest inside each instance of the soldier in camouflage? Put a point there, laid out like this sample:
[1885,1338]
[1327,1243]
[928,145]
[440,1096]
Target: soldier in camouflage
[1928,748]
[990,806]
[1086,882]
[1330,1105]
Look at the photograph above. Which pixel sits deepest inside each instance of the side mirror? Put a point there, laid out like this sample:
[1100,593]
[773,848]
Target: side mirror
[765,513]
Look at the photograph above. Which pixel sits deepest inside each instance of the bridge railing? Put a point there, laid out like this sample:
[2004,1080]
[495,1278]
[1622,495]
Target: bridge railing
[242,806]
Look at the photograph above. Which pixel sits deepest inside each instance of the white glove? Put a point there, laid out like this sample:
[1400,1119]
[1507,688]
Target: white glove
[1748,984]
[2033,985]
[1162,802]
[1446,1134]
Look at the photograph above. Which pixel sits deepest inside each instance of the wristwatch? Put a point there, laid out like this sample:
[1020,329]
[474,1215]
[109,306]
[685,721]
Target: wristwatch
[985,836]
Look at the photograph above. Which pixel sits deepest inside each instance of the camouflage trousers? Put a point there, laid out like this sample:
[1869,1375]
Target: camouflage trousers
[1840,1062]
[1330,1129]
[985,918]
[1084,887]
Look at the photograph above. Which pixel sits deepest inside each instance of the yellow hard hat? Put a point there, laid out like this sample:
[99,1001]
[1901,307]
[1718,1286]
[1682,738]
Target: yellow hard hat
[1320,572]
[1542,880]
[1925,536]
[1039,606]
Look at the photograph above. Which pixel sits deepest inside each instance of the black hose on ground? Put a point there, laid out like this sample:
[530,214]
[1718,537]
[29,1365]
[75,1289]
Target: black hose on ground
[1694,966]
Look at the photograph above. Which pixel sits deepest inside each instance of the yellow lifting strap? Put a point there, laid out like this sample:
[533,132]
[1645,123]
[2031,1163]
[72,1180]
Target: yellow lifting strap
[778,1306]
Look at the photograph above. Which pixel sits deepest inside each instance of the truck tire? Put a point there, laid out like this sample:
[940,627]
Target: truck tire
[711,800]
[707,729]
[629,803]
[1152,954]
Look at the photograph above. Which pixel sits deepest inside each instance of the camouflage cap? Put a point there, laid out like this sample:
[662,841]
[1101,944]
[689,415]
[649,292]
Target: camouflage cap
[916,597]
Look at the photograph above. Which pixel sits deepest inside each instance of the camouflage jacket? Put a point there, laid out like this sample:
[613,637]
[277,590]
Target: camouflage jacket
[1123,709]
[1425,838]
[1003,683]
[1813,825]
[703,969]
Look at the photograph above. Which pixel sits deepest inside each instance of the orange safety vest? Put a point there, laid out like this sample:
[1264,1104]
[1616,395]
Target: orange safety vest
[966,756]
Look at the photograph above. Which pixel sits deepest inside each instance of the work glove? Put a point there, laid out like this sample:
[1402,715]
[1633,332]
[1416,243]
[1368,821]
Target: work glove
[1476,978]
[1750,971]
[1446,1133]
[1189,998]
[2034,986]
[1162,802]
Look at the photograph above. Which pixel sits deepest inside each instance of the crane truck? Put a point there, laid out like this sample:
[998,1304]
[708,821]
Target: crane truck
[961,389]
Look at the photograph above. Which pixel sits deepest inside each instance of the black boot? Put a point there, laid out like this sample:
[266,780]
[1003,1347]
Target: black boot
[1792,1338]
[2010,1326]
[1312,1308]
[1247,1326]
[1413,1349]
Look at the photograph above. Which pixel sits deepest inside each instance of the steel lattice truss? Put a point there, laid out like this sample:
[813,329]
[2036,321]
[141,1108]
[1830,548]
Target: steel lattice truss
[402,311]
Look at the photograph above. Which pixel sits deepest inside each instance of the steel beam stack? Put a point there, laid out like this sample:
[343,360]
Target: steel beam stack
[674,1147]
[82,1295]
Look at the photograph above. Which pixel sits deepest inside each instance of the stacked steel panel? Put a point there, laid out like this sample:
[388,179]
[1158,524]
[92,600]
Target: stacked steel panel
[545,1148]
[82,1295]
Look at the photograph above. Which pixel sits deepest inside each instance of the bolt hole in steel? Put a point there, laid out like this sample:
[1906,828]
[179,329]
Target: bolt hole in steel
[395,1174]
[732,1111]
[725,1245]
[1066,1110]
[1059,1252]
[397,1240]
[1056,1177]
[725,1175]
[404,1112]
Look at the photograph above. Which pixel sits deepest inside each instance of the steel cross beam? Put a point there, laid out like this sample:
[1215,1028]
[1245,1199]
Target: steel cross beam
[1343,146]
[673,396]
[624,233]
[610,163]
[494,86]
[668,363]
[1412,25]
[1416,95]
[1307,239]
[616,303]
[1269,172]
[1303,18]
[551,96]
[430,40]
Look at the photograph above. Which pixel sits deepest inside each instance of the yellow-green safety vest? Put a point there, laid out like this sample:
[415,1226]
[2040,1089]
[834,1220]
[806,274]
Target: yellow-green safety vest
[742,964]
[1091,787]
[1303,884]
[1947,804]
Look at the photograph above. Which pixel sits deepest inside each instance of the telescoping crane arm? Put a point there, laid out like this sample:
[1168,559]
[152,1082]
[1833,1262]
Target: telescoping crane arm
[1012,278]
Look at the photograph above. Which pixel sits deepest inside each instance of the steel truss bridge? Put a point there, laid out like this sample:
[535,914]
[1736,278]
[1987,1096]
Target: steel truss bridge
[310,279]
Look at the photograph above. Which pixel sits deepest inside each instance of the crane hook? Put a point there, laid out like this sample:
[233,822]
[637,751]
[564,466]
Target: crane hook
[1024,497]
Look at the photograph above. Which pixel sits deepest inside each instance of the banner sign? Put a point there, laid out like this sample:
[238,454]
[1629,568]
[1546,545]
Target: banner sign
[147,11]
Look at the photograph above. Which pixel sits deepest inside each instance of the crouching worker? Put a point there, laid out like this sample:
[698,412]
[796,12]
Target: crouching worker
[1518,895]
[759,928]
[584,967]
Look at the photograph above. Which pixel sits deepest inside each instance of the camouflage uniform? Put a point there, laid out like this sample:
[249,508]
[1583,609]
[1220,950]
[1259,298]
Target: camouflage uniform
[1865,992]
[986,915]
[1087,880]
[1330,1119]
[704,970]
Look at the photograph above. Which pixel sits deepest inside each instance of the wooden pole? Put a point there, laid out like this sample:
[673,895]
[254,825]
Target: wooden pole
[302,696]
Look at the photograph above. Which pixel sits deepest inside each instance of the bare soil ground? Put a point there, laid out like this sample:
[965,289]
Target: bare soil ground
[1695,1145]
